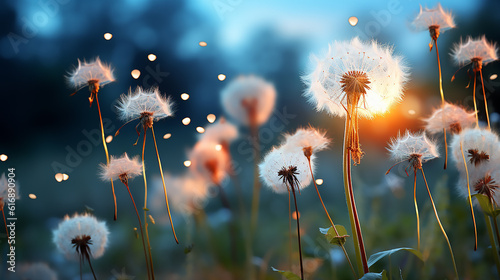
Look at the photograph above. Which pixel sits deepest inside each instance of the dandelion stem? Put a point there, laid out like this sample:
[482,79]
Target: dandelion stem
[292,185]
[164,188]
[484,97]
[440,225]
[492,241]
[469,196]
[290,228]
[474,98]
[145,202]
[106,151]
[254,131]
[330,219]
[442,102]
[495,224]
[140,227]
[91,268]
[416,208]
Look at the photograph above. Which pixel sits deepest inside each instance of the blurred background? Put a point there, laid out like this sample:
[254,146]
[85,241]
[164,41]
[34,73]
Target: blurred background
[199,46]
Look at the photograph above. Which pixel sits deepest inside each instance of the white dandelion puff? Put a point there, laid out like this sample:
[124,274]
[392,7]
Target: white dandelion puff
[410,145]
[481,148]
[433,18]
[80,226]
[90,72]
[220,132]
[208,162]
[307,138]
[249,100]
[121,168]
[279,158]
[474,50]
[365,69]
[144,102]
[450,117]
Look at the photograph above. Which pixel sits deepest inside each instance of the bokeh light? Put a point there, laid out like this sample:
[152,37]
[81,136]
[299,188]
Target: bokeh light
[135,74]
[211,118]
[186,121]
[108,36]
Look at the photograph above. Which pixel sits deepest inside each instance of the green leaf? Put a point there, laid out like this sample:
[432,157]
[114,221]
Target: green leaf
[288,274]
[374,276]
[378,256]
[332,237]
[486,205]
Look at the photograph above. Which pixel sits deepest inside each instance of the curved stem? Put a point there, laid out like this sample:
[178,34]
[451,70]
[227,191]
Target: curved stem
[298,231]
[442,102]
[474,98]
[330,219]
[440,225]
[106,151]
[492,241]
[145,200]
[469,196]
[164,188]
[416,208]
[345,163]
[484,96]
[140,227]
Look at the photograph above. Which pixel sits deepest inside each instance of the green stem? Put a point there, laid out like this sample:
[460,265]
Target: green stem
[492,241]
[469,196]
[440,225]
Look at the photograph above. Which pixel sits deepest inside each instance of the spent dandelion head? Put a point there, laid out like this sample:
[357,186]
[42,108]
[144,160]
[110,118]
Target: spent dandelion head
[249,100]
[148,105]
[476,51]
[122,168]
[415,148]
[436,20]
[481,148]
[450,117]
[283,161]
[309,140]
[488,185]
[208,162]
[80,235]
[94,74]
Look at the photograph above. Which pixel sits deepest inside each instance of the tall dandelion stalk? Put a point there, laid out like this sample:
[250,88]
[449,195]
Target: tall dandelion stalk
[417,149]
[476,52]
[436,21]
[95,75]
[355,79]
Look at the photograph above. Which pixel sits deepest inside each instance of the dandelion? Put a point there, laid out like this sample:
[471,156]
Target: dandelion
[284,170]
[476,52]
[94,75]
[309,141]
[80,237]
[250,100]
[451,117]
[147,106]
[355,79]
[124,169]
[417,149]
[38,271]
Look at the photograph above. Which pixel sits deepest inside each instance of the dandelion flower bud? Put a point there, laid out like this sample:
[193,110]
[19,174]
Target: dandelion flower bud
[76,228]
[91,73]
[144,103]
[365,75]
[208,162]
[249,100]
[481,149]
[122,168]
[450,117]
[278,159]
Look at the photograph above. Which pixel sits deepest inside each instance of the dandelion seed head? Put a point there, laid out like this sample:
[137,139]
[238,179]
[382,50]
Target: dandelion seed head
[307,137]
[435,17]
[78,226]
[91,71]
[279,158]
[140,102]
[248,98]
[450,117]
[480,141]
[486,183]
[474,50]
[221,131]
[121,168]
[38,271]
[413,145]
[208,163]
[367,67]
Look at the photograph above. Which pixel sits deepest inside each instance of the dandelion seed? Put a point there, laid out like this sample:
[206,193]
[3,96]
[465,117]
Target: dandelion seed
[451,117]
[81,237]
